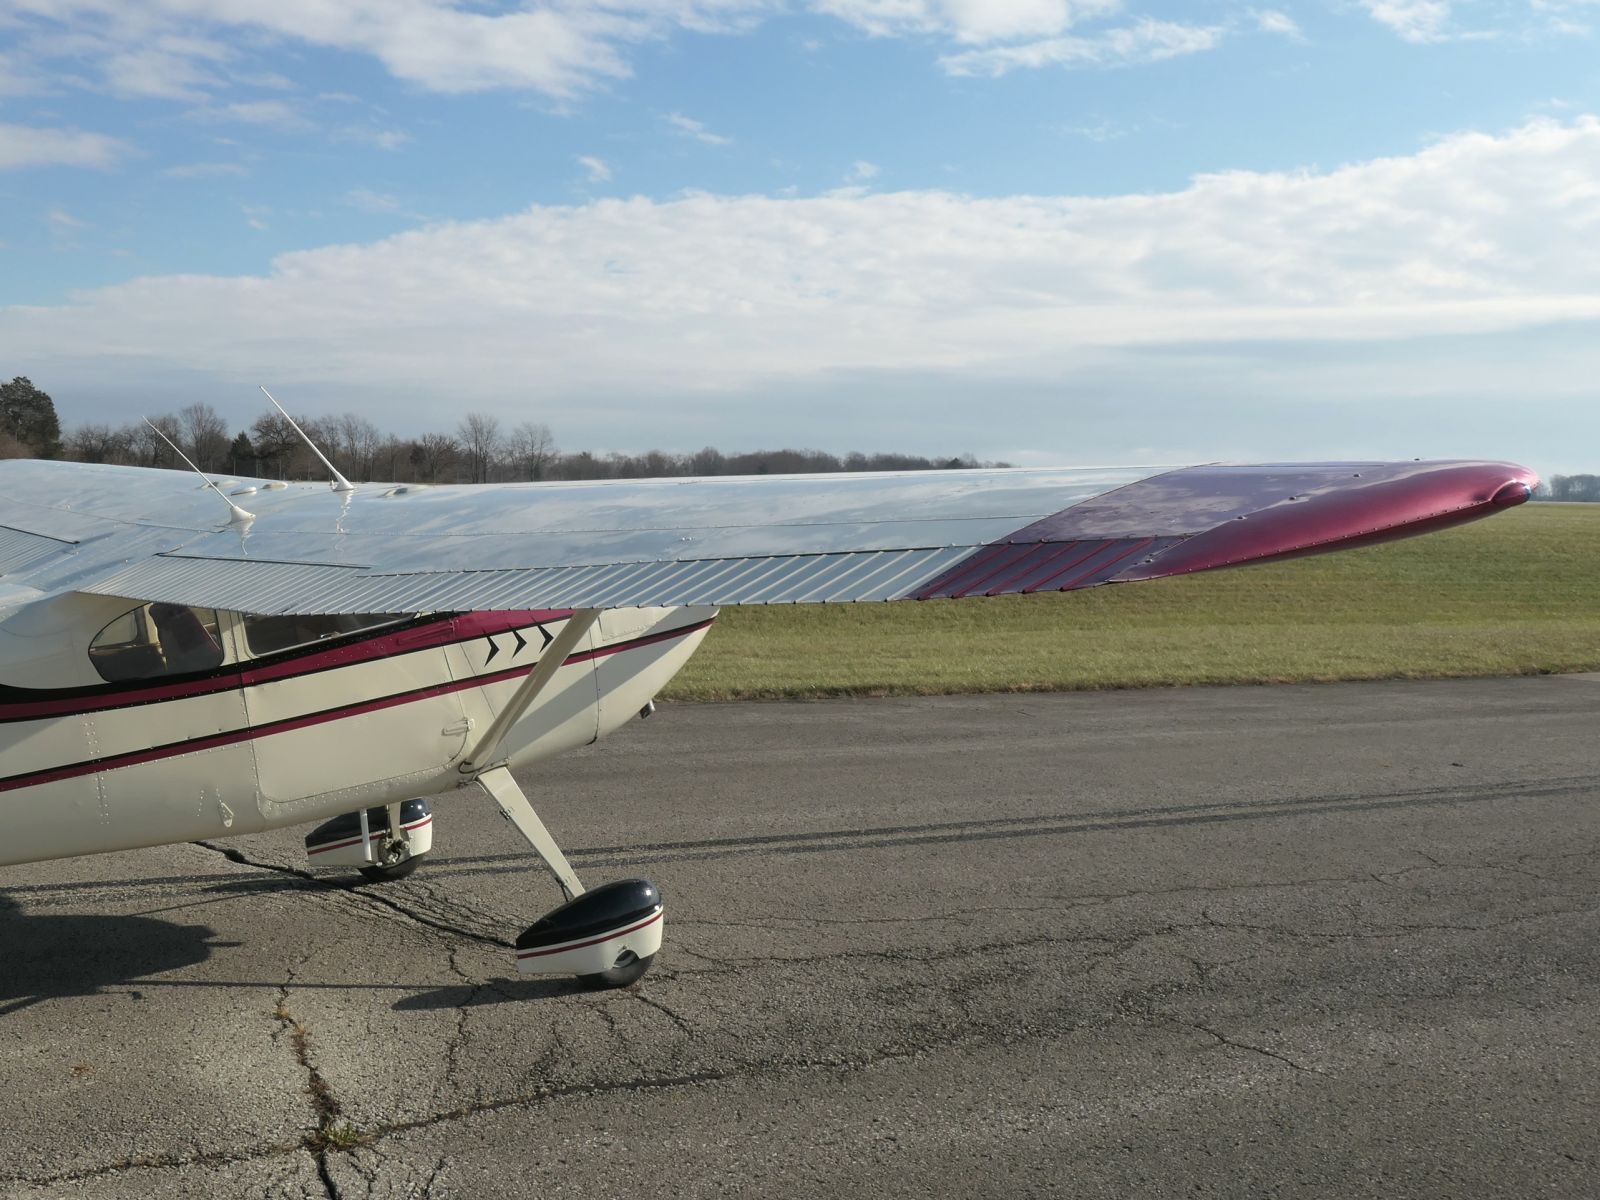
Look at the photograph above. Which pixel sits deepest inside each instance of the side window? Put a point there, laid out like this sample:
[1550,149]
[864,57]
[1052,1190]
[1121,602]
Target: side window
[270,635]
[157,639]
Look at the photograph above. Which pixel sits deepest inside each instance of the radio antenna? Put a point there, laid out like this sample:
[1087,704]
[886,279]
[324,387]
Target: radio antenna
[339,483]
[239,514]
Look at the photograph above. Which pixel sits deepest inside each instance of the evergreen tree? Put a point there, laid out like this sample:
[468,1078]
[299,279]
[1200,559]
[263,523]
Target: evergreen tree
[242,456]
[29,415]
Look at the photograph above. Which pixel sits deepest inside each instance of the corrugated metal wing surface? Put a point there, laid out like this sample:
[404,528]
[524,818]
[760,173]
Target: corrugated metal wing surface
[281,588]
[21,551]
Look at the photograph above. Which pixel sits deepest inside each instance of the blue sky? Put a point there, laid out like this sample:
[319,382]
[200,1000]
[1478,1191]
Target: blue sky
[1102,230]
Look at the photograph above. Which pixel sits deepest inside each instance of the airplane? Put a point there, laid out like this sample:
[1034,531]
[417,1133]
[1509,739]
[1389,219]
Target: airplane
[183,661]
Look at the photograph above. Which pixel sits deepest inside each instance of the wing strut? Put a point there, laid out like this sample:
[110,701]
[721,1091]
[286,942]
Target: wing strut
[496,777]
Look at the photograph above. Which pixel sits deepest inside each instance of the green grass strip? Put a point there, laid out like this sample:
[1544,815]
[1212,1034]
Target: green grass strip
[1518,594]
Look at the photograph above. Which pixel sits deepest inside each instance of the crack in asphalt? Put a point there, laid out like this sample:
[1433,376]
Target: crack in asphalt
[162,1162]
[671,1014]
[1223,1039]
[458,1036]
[328,1131]
[358,892]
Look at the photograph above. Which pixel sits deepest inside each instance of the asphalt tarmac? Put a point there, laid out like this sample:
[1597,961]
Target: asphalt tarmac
[1276,941]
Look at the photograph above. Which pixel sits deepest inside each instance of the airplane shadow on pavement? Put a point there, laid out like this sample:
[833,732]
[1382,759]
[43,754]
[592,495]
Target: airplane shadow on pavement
[52,956]
[48,957]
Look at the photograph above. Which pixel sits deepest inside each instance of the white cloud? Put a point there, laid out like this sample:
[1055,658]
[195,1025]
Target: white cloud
[61,221]
[559,49]
[1559,15]
[370,201]
[275,114]
[205,170]
[30,146]
[596,168]
[973,21]
[196,50]
[1472,235]
[383,139]
[1414,20]
[861,171]
[1100,131]
[696,130]
[19,76]
[1144,41]
[172,67]
[1270,20]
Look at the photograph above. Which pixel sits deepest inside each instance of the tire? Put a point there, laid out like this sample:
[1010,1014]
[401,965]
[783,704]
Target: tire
[620,975]
[389,872]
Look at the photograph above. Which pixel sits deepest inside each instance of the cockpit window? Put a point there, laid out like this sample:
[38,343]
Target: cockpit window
[269,635]
[157,639]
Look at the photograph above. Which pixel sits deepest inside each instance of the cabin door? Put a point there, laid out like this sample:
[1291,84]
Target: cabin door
[364,714]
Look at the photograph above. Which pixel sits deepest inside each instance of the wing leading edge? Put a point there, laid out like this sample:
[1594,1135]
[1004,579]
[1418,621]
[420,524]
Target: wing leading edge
[147,535]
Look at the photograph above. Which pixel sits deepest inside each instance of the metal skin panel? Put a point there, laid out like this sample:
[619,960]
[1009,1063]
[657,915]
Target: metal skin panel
[566,714]
[627,682]
[44,646]
[209,792]
[103,781]
[1314,513]
[416,738]
[1204,518]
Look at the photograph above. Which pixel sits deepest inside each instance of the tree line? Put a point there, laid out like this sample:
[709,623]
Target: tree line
[1570,487]
[479,450]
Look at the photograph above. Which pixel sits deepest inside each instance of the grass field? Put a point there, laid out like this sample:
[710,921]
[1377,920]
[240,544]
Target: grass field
[1514,595]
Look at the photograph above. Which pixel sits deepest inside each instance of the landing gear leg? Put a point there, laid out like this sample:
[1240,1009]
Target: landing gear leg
[392,855]
[382,843]
[606,936]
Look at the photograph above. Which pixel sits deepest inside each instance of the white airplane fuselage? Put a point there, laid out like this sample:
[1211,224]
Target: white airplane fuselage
[261,741]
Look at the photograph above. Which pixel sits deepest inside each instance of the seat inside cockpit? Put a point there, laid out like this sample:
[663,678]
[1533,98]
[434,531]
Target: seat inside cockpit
[157,639]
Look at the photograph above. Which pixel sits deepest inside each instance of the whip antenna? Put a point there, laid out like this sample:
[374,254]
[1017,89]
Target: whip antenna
[239,514]
[339,483]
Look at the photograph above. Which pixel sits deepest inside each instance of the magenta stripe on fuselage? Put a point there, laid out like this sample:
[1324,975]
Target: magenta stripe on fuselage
[426,634]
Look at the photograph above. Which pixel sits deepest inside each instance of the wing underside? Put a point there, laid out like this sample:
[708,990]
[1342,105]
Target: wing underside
[156,535]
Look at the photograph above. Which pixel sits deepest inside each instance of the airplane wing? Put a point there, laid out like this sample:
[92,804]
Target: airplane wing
[161,536]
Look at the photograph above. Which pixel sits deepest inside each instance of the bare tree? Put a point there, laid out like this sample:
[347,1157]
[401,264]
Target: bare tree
[95,443]
[479,434]
[432,454]
[391,460]
[149,450]
[205,436]
[282,452]
[709,461]
[532,448]
[357,440]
